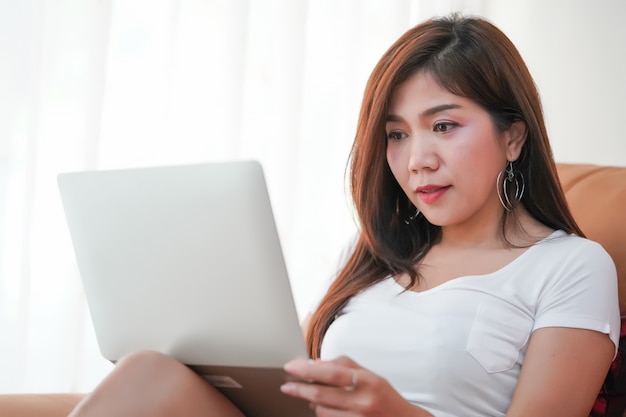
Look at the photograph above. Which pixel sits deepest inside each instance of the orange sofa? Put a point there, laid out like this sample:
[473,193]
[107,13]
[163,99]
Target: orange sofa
[597,197]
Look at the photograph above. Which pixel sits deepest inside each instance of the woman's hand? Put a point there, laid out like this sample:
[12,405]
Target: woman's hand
[342,388]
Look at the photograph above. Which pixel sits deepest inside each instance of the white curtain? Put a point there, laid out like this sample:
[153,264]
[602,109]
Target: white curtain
[98,84]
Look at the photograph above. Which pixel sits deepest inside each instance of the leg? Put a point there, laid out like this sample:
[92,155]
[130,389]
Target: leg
[155,385]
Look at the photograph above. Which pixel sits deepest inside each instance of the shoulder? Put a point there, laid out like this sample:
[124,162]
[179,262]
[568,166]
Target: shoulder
[566,262]
[561,246]
[573,264]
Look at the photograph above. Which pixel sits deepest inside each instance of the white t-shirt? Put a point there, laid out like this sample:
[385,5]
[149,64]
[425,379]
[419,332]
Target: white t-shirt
[457,349]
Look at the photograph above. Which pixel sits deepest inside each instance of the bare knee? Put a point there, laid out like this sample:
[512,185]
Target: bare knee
[159,373]
[148,383]
[147,364]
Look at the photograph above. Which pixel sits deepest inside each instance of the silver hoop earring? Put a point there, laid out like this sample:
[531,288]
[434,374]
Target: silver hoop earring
[413,217]
[510,177]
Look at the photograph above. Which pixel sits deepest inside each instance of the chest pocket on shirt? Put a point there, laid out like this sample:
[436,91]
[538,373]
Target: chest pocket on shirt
[498,334]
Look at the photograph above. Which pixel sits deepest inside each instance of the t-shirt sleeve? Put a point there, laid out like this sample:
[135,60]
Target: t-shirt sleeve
[582,293]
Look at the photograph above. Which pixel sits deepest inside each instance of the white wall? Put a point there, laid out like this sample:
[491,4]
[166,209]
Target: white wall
[576,51]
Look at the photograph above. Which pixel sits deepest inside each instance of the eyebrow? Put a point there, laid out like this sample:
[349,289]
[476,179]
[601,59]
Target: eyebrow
[428,112]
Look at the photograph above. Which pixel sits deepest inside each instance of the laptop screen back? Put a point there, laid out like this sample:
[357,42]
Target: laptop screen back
[184,260]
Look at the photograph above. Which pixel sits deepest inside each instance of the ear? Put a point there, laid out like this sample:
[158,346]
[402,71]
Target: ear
[515,137]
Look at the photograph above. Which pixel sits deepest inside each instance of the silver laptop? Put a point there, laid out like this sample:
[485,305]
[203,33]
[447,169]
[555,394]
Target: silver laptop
[186,260]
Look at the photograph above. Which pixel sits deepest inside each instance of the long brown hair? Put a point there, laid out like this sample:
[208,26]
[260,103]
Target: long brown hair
[472,58]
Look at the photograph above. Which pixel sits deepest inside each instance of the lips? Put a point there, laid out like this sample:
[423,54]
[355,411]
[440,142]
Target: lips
[431,193]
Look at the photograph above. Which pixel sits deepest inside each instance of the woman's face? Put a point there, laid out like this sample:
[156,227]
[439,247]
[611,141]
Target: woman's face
[446,153]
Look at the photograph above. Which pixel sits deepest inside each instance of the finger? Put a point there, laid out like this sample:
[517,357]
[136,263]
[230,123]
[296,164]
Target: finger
[319,395]
[345,361]
[329,373]
[323,411]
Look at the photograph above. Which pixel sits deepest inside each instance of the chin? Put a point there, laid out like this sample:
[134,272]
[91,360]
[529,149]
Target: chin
[441,220]
[435,220]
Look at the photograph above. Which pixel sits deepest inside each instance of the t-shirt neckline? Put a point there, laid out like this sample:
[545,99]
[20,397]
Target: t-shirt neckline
[503,269]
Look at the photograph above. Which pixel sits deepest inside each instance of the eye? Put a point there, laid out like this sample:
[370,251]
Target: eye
[396,135]
[444,127]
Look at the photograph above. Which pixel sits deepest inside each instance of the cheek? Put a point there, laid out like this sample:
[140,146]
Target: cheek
[393,165]
[394,160]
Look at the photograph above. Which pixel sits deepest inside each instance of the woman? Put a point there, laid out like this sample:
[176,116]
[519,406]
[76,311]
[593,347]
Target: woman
[470,290]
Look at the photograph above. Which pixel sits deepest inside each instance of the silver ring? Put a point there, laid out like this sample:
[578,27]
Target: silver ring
[353,382]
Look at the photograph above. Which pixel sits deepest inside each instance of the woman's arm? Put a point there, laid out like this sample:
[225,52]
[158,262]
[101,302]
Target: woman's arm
[562,373]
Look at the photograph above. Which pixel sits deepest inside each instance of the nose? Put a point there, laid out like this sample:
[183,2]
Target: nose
[423,154]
